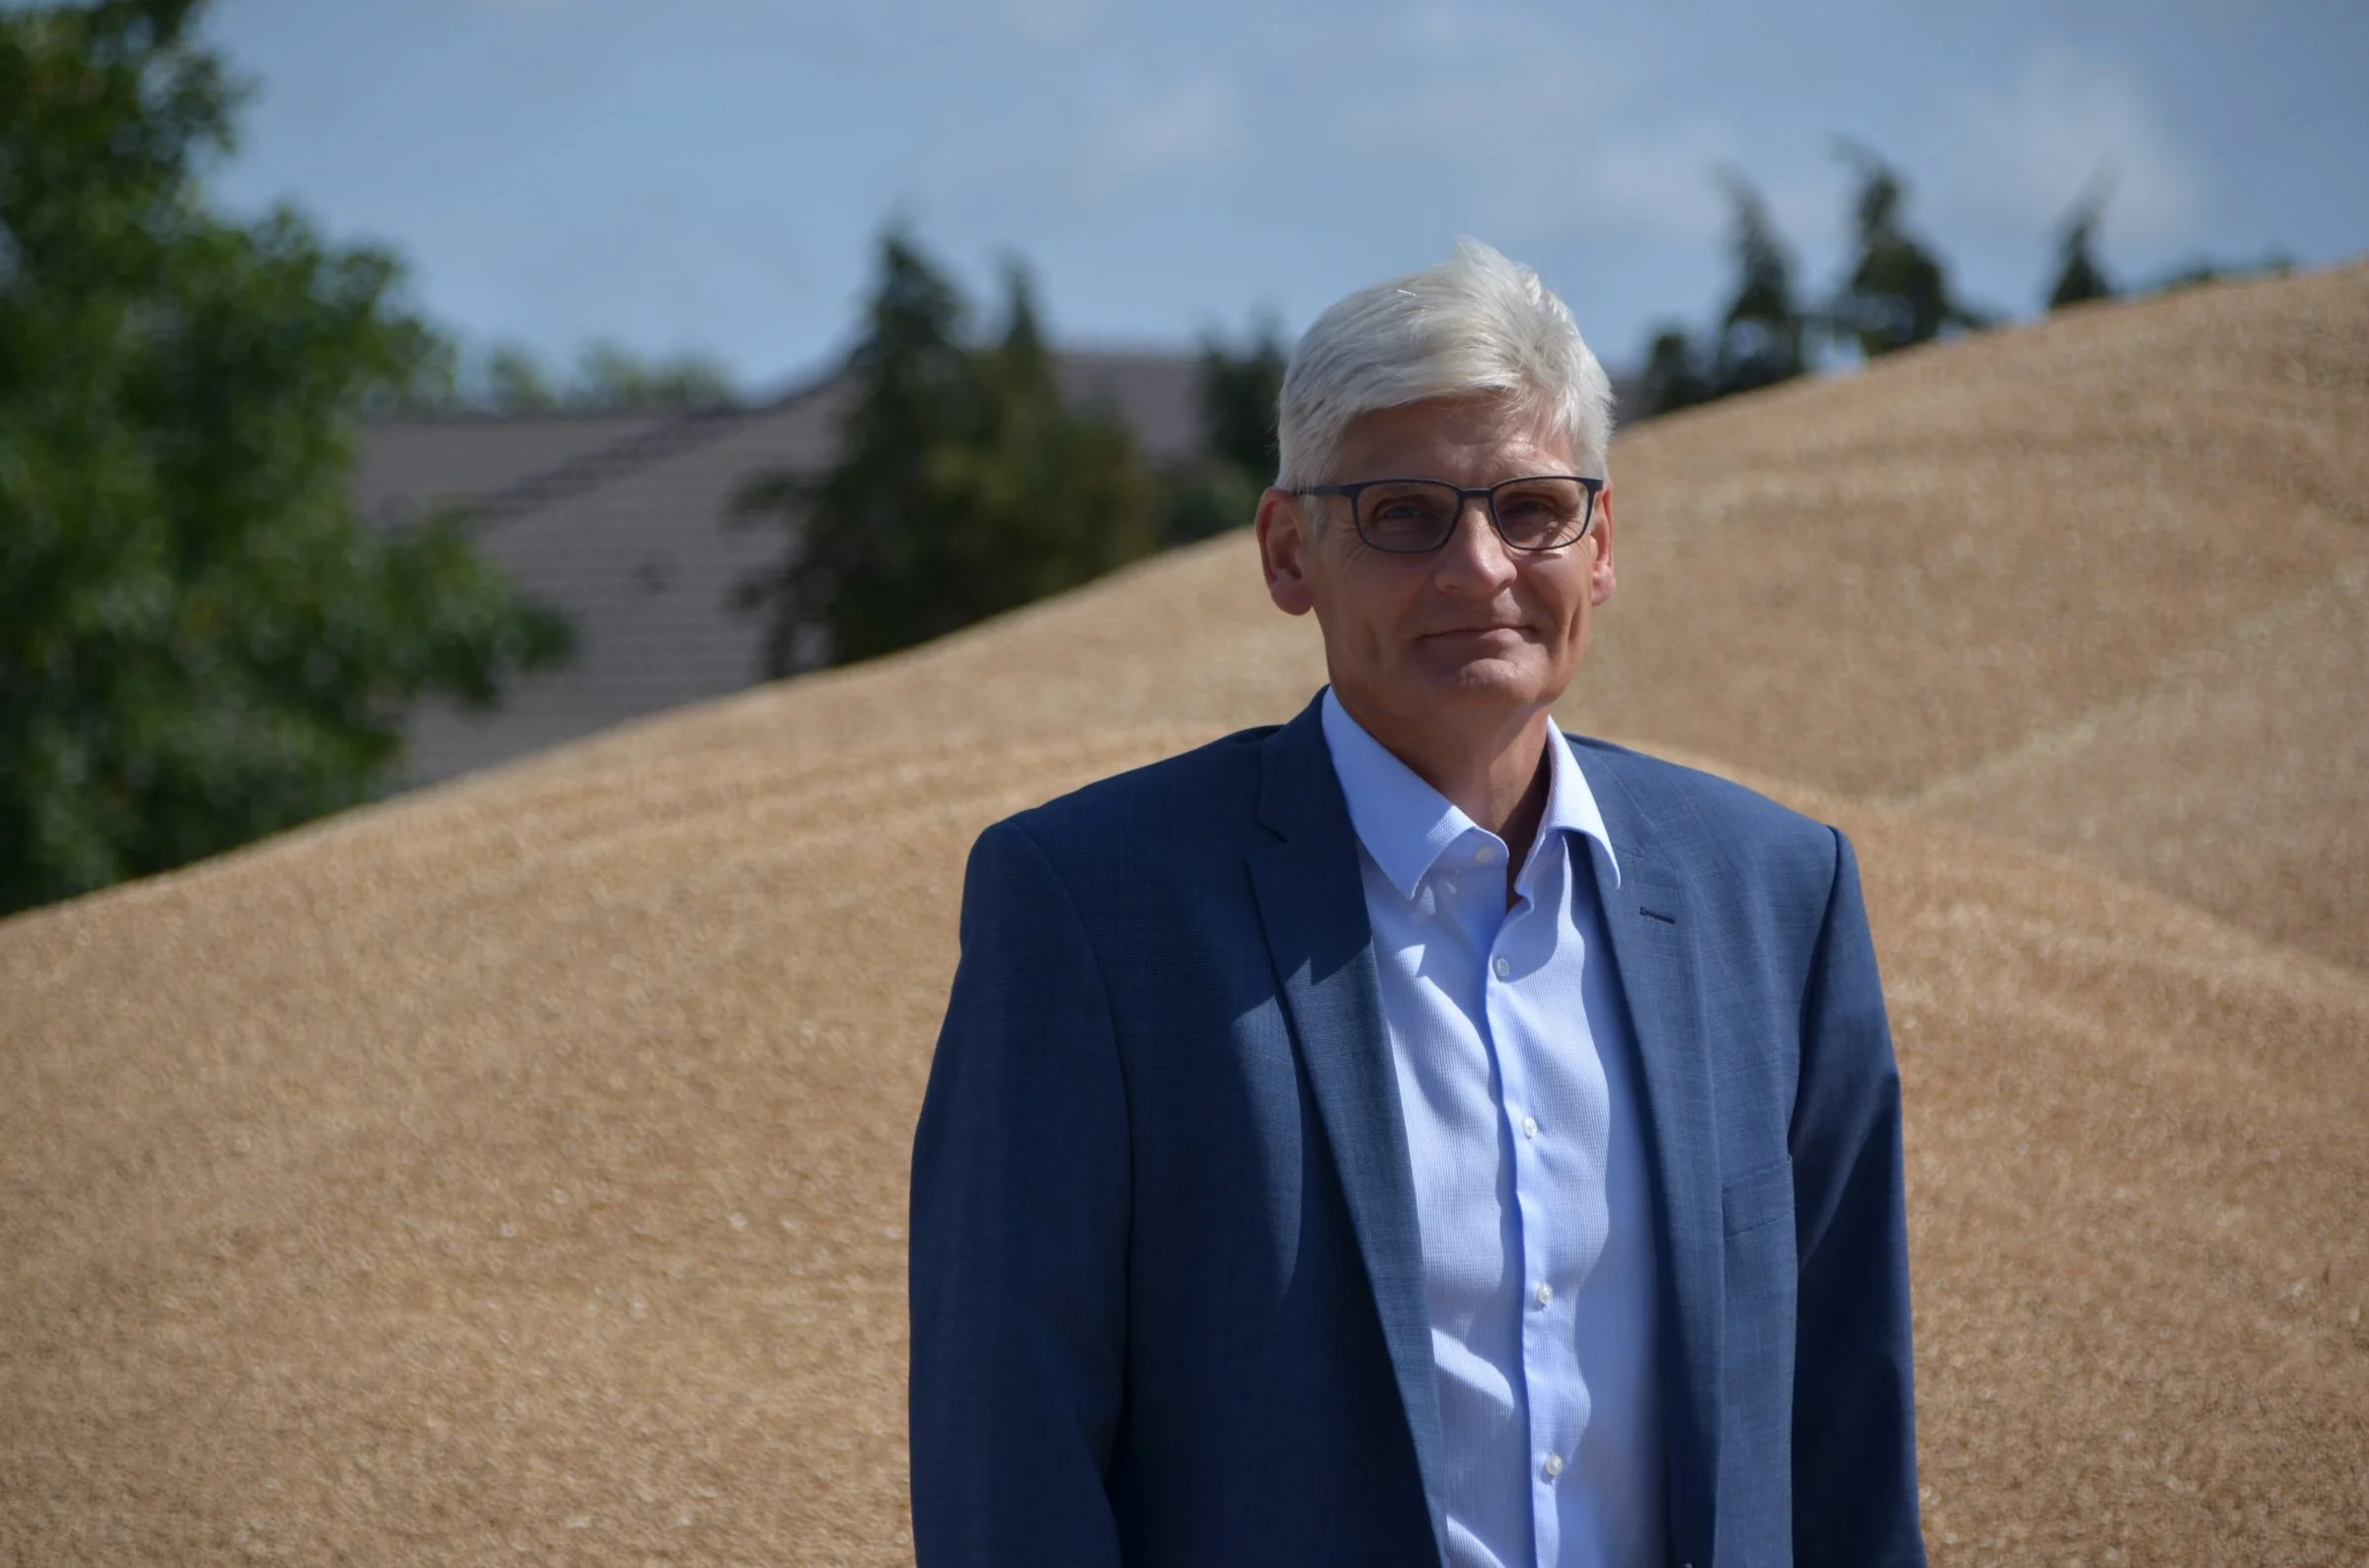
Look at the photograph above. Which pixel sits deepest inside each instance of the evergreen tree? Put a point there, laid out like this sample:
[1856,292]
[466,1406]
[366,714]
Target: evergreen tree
[1760,338]
[1760,341]
[2079,274]
[1239,393]
[1036,497]
[1674,377]
[199,641]
[964,485]
[1897,293]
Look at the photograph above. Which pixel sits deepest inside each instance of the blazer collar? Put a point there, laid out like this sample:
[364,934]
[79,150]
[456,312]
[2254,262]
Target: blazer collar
[1312,905]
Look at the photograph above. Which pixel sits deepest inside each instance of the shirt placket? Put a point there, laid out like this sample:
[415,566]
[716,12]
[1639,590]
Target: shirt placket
[1519,944]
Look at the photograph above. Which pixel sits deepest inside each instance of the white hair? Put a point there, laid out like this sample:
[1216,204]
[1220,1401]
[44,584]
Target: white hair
[1477,325]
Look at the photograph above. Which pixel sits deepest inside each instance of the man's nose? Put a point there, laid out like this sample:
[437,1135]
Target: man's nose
[1474,560]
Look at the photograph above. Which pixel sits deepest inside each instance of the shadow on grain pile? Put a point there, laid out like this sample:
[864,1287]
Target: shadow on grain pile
[518,1170]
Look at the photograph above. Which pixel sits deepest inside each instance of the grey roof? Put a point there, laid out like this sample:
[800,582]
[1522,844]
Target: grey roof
[623,526]
[403,464]
[1157,396]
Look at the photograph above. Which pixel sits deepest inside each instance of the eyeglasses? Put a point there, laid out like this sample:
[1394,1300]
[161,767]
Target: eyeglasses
[1413,517]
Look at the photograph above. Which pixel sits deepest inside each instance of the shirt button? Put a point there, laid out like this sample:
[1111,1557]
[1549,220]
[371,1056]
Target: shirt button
[1552,1466]
[1546,1293]
[1503,967]
[1529,1127]
[1487,855]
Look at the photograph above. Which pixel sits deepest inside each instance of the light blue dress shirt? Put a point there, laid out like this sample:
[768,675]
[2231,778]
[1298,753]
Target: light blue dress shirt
[1524,1129]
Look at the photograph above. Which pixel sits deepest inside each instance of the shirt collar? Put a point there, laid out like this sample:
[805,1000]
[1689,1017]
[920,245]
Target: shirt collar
[1406,825]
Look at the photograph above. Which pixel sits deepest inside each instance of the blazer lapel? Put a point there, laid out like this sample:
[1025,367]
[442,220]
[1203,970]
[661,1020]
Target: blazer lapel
[1312,905]
[1646,921]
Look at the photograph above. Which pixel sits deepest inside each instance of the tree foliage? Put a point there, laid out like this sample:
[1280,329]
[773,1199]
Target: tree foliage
[1759,341]
[511,379]
[611,376]
[1241,452]
[2203,269]
[2080,275]
[964,483]
[1760,338]
[198,643]
[1897,293]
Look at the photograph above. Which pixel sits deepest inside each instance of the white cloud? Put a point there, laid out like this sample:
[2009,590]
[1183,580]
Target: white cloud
[2029,150]
[1184,123]
[1105,138]
[1056,21]
[1533,127]
[1661,186]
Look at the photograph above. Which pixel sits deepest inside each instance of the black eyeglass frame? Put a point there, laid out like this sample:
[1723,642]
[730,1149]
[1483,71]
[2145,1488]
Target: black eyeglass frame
[1486,493]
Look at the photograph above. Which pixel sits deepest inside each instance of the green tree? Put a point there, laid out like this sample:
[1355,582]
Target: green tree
[1760,341]
[2204,269]
[516,382]
[608,376]
[510,378]
[1759,338]
[199,642]
[964,485]
[1241,389]
[2079,274]
[1674,376]
[1897,293]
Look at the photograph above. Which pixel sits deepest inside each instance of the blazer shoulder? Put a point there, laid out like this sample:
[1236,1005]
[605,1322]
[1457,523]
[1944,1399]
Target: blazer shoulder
[1681,809]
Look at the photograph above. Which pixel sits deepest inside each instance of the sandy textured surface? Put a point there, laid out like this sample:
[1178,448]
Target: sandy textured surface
[516,1173]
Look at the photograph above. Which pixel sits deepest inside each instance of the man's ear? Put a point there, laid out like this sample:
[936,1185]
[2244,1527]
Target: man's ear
[1599,573]
[1283,547]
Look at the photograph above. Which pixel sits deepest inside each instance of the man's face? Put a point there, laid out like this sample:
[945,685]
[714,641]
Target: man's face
[1474,630]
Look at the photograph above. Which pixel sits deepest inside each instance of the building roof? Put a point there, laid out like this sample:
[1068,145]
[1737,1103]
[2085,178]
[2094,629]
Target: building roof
[403,462]
[622,523]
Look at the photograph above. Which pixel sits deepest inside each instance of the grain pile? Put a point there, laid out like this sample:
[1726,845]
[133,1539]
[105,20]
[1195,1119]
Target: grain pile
[516,1173]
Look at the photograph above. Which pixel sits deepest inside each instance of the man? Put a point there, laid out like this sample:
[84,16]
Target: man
[1408,1134]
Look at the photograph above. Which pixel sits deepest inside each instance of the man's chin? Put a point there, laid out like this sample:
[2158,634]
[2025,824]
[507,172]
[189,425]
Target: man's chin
[1484,682]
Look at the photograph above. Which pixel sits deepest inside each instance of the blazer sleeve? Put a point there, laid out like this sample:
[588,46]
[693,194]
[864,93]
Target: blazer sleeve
[1855,1450]
[1019,1236]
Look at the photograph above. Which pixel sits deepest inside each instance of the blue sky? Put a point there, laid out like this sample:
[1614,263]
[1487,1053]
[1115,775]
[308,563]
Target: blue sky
[712,173]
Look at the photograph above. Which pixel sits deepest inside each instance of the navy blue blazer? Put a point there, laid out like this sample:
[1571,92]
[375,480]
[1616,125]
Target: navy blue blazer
[1167,1287]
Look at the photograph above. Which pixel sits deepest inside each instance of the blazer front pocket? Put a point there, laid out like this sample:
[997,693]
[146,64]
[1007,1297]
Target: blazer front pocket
[1758,1197]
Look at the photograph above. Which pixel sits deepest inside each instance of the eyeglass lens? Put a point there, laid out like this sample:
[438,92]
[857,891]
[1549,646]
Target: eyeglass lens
[1414,515]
